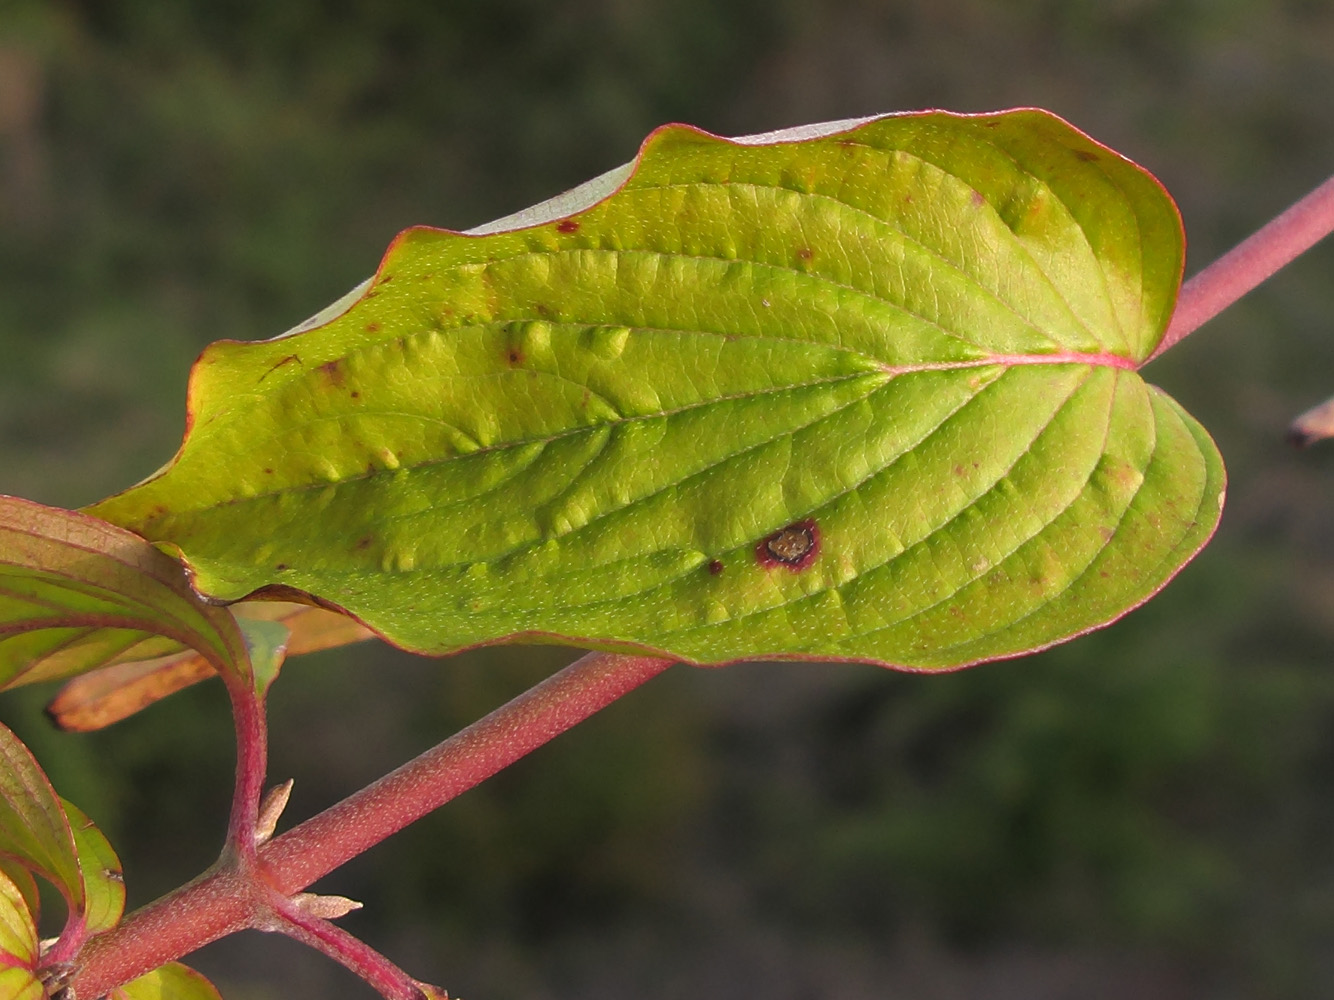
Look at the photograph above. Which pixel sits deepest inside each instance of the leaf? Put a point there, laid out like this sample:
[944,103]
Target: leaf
[173,981]
[266,645]
[18,945]
[103,880]
[26,884]
[33,828]
[76,593]
[112,693]
[42,833]
[863,391]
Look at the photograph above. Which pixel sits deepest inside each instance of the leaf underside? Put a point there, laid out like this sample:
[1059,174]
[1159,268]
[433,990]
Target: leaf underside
[77,593]
[912,341]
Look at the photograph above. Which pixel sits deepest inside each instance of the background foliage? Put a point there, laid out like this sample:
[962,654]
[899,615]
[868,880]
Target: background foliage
[1145,812]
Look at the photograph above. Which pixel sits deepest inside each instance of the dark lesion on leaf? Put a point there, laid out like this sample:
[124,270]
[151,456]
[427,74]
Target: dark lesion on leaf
[567,226]
[715,567]
[794,546]
[333,371]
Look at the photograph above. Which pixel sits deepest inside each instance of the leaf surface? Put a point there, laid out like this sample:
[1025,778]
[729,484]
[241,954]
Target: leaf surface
[173,981]
[864,391]
[18,945]
[103,881]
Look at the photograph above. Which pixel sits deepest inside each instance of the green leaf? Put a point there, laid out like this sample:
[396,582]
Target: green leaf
[103,881]
[33,828]
[26,884]
[863,391]
[266,646]
[41,832]
[77,593]
[168,982]
[18,945]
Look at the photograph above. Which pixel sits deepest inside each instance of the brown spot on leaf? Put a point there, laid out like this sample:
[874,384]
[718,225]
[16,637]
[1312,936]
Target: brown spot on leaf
[1086,155]
[515,356]
[795,546]
[372,327]
[355,394]
[567,226]
[805,253]
[979,199]
[363,543]
[715,567]
[332,370]
[385,279]
[268,472]
[280,567]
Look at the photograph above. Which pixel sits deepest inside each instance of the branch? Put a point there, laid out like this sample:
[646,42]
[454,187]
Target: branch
[1253,260]
[236,893]
[324,842]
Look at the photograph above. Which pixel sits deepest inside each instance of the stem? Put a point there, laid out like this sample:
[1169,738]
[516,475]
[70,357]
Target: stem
[251,765]
[235,895]
[340,833]
[353,953]
[1250,262]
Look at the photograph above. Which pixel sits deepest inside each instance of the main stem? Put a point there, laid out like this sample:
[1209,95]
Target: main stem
[226,899]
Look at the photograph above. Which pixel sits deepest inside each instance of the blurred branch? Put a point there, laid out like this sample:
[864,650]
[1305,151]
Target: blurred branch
[1250,262]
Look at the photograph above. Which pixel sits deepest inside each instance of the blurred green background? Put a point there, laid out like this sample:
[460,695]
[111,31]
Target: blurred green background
[1146,812]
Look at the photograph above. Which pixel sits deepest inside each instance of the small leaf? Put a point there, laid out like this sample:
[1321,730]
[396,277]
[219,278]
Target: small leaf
[168,982]
[266,644]
[104,883]
[862,391]
[18,945]
[33,828]
[76,593]
[112,693]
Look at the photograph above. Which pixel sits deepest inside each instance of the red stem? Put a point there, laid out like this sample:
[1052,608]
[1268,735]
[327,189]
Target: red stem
[353,953]
[235,895]
[340,833]
[252,756]
[1250,262]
